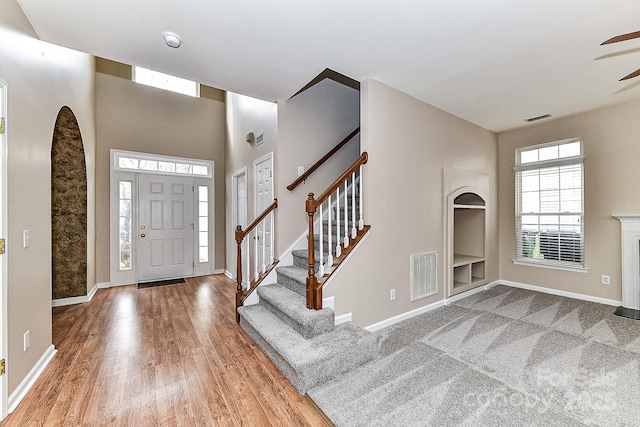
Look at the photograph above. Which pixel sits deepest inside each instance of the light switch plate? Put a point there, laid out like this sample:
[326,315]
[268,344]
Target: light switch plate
[25,238]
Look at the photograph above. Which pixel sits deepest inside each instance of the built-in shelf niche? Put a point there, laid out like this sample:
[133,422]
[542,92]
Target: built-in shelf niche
[468,234]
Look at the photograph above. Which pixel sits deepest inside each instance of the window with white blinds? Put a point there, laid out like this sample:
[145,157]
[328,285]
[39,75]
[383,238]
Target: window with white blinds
[549,204]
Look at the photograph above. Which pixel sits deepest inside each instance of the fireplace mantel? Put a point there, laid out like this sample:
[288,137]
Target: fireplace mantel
[630,226]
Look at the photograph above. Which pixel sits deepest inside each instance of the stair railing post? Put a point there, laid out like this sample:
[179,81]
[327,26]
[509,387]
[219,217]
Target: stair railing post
[312,281]
[239,238]
[271,238]
[354,232]
[330,234]
[361,221]
[338,246]
[256,260]
[346,213]
[264,248]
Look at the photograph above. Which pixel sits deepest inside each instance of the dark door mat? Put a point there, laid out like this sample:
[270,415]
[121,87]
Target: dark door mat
[629,313]
[160,283]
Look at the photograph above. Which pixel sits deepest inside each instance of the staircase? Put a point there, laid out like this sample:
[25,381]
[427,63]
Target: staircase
[306,345]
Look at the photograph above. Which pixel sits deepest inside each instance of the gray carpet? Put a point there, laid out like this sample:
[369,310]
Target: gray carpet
[502,357]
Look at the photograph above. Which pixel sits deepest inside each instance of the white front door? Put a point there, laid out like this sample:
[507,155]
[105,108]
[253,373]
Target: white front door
[165,227]
[263,174]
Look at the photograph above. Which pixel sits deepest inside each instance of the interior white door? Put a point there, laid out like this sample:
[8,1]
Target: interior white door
[264,197]
[165,227]
[3,259]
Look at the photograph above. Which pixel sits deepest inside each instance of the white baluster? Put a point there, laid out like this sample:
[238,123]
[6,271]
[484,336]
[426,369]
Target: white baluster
[256,237]
[329,232]
[354,232]
[247,256]
[361,221]
[338,247]
[321,268]
[271,238]
[346,213]
[264,244]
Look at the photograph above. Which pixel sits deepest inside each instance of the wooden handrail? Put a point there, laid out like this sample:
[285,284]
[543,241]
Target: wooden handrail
[255,222]
[364,157]
[314,286]
[241,295]
[324,158]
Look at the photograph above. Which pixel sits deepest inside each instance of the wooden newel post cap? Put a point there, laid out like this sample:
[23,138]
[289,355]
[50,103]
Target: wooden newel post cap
[310,204]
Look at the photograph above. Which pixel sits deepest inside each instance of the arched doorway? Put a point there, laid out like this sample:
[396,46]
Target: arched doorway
[68,208]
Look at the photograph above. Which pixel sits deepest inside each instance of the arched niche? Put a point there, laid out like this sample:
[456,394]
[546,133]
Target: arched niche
[467,239]
[68,208]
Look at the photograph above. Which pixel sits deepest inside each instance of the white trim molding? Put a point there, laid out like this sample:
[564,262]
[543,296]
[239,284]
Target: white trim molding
[404,316]
[430,307]
[559,292]
[75,300]
[630,238]
[25,385]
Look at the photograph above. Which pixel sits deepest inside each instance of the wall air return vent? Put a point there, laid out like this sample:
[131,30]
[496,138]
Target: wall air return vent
[535,119]
[424,277]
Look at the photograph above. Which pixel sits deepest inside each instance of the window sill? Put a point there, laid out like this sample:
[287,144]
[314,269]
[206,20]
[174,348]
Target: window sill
[551,266]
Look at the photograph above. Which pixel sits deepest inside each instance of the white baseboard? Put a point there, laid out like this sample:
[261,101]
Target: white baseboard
[409,314]
[430,307]
[470,292]
[25,385]
[560,293]
[329,302]
[103,285]
[342,318]
[404,316]
[220,271]
[74,300]
[228,274]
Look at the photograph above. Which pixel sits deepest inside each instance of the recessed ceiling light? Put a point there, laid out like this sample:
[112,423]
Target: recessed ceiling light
[172,39]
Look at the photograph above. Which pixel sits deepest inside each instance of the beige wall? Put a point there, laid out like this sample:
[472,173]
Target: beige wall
[244,115]
[611,176]
[409,143]
[145,119]
[41,79]
[309,125]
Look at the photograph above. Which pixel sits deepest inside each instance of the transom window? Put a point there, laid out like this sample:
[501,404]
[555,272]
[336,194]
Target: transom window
[550,204]
[140,162]
[166,81]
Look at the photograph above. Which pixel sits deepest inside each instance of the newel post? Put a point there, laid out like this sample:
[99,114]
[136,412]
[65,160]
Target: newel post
[239,239]
[312,281]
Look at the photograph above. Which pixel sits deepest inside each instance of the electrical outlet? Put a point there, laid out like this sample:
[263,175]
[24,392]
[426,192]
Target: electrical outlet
[300,170]
[606,280]
[27,340]
[392,294]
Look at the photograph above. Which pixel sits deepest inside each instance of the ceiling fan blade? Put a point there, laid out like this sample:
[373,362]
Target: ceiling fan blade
[622,37]
[636,73]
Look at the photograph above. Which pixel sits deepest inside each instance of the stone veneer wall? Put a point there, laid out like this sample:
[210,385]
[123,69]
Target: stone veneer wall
[68,208]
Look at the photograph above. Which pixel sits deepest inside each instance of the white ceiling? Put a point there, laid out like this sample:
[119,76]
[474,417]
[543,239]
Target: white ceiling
[491,62]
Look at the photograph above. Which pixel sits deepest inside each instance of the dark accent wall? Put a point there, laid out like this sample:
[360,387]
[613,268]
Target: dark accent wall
[68,208]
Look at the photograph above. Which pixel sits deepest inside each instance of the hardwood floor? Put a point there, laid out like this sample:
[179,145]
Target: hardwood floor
[164,356]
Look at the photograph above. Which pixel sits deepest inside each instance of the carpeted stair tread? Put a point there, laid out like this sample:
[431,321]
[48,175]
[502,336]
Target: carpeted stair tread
[301,257]
[294,278]
[308,362]
[291,308]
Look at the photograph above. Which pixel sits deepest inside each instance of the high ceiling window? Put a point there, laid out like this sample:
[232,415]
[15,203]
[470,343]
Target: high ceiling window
[165,81]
